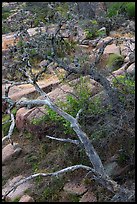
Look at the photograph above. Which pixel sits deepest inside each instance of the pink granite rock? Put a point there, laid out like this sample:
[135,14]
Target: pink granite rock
[26,198]
[75,188]
[88,197]
[112,49]
[19,191]
[9,152]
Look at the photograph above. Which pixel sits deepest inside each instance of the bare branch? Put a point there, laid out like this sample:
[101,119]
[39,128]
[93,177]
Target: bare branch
[76,142]
[11,129]
[78,114]
[57,173]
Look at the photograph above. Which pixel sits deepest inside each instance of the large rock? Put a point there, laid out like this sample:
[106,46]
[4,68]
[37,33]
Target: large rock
[26,198]
[131,26]
[19,191]
[102,41]
[75,188]
[28,90]
[131,69]
[60,93]
[132,57]
[88,197]
[112,49]
[24,116]
[8,39]
[21,117]
[10,152]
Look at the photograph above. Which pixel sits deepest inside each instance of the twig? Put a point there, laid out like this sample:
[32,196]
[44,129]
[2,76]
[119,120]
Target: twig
[76,142]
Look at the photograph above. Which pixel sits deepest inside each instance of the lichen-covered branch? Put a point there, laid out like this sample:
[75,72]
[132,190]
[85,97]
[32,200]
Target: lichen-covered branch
[57,173]
[76,142]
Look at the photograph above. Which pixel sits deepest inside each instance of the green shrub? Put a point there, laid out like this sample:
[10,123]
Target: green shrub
[52,192]
[62,9]
[114,61]
[92,30]
[72,106]
[125,84]
[120,7]
[5,15]
[115,9]
[5,29]
[130,9]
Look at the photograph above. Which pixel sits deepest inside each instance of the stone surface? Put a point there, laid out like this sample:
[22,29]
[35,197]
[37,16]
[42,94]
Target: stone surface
[112,49]
[131,69]
[8,39]
[24,116]
[60,93]
[132,57]
[126,59]
[131,26]
[43,63]
[26,198]
[9,152]
[102,41]
[75,188]
[28,90]
[21,117]
[88,197]
[19,191]
[118,72]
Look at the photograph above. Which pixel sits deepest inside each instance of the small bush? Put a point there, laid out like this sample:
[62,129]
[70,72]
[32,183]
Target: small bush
[120,8]
[125,84]
[92,30]
[115,61]
[115,9]
[130,9]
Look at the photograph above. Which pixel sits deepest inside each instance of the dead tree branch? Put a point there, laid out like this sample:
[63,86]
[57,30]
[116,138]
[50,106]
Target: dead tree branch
[76,142]
[57,173]
[11,129]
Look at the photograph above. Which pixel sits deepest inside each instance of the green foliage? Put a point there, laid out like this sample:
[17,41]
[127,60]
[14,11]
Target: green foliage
[73,198]
[28,136]
[114,61]
[119,7]
[72,106]
[52,192]
[16,199]
[101,33]
[64,47]
[5,29]
[130,9]
[98,134]
[20,43]
[5,13]
[115,8]
[125,84]
[62,9]
[92,30]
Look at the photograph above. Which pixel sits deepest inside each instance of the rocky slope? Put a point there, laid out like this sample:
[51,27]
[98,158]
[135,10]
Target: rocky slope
[32,153]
